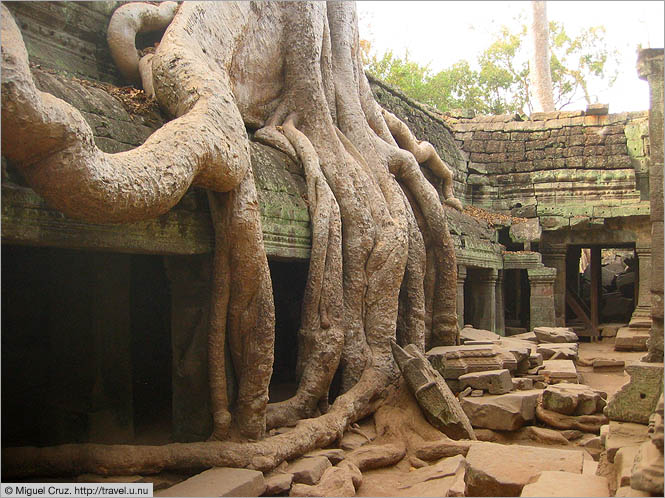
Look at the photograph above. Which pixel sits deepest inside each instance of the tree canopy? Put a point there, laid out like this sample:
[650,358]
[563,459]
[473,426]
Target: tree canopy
[497,82]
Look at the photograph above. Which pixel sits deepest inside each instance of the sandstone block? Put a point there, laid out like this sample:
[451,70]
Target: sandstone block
[608,365]
[499,470]
[563,350]
[506,412]
[631,339]
[453,361]
[555,334]
[559,371]
[623,435]
[473,334]
[522,383]
[220,481]
[573,399]
[335,455]
[440,406]
[556,483]
[585,423]
[374,456]
[443,448]
[493,381]
[277,484]
[308,470]
[335,481]
[637,399]
[446,467]
[623,464]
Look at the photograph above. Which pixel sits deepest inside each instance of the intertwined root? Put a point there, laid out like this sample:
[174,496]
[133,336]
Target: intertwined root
[382,263]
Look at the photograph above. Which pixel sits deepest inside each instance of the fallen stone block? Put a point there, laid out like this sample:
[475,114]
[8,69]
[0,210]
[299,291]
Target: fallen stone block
[637,399]
[308,470]
[446,467]
[472,334]
[624,435]
[556,483]
[453,361]
[374,456]
[648,472]
[522,383]
[608,365]
[585,423]
[440,406]
[443,448]
[505,412]
[503,470]
[528,336]
[335,481]
[572,434]
[354,472]
[594,447]
[477,393]
[631,339]
[493,381]
[556,371]
[555,334]
[535,360]
[335,455]
[277,484]
[573,399]
[564,350]
[220,481]
[624,459]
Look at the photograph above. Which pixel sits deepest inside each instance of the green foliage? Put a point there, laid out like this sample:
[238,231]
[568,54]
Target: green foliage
[501,84]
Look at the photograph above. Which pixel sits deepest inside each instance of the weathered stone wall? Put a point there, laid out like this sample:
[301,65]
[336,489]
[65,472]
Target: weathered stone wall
[68,36]
[426,124]
[564,167]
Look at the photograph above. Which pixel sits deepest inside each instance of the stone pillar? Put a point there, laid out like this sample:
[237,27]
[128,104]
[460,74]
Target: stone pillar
[650,67]
[500,308]
[642,313]
[554,256]
[190,294]
[541,282]
[461,277]
[487,299]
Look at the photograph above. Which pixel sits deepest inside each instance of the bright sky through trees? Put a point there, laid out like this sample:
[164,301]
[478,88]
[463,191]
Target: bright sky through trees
[442,32]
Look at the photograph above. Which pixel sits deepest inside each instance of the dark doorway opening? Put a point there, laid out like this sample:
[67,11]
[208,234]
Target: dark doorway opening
[517,299]
[288,285]
[84,357]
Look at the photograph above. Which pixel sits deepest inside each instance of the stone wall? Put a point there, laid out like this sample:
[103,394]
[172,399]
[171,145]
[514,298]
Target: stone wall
[426,124]
[564,167]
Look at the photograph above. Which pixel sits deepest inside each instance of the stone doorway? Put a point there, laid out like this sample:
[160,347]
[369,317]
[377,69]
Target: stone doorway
[86,347]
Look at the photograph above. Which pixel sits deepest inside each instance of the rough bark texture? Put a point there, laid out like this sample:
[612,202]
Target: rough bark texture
[541,76]
[292,72]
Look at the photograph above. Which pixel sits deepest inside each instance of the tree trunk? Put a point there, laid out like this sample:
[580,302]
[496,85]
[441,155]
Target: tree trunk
[541,76]
[291,71]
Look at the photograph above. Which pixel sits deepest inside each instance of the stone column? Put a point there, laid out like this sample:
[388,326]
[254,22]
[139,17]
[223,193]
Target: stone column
[461,277]
[642,313]
[500,308]
[650,67]
[541,282]
[554,256]
[487,299]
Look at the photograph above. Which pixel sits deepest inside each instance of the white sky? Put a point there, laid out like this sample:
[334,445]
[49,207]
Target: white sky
[442,32]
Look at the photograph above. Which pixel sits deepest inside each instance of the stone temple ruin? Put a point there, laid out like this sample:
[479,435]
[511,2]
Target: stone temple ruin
[559,245]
